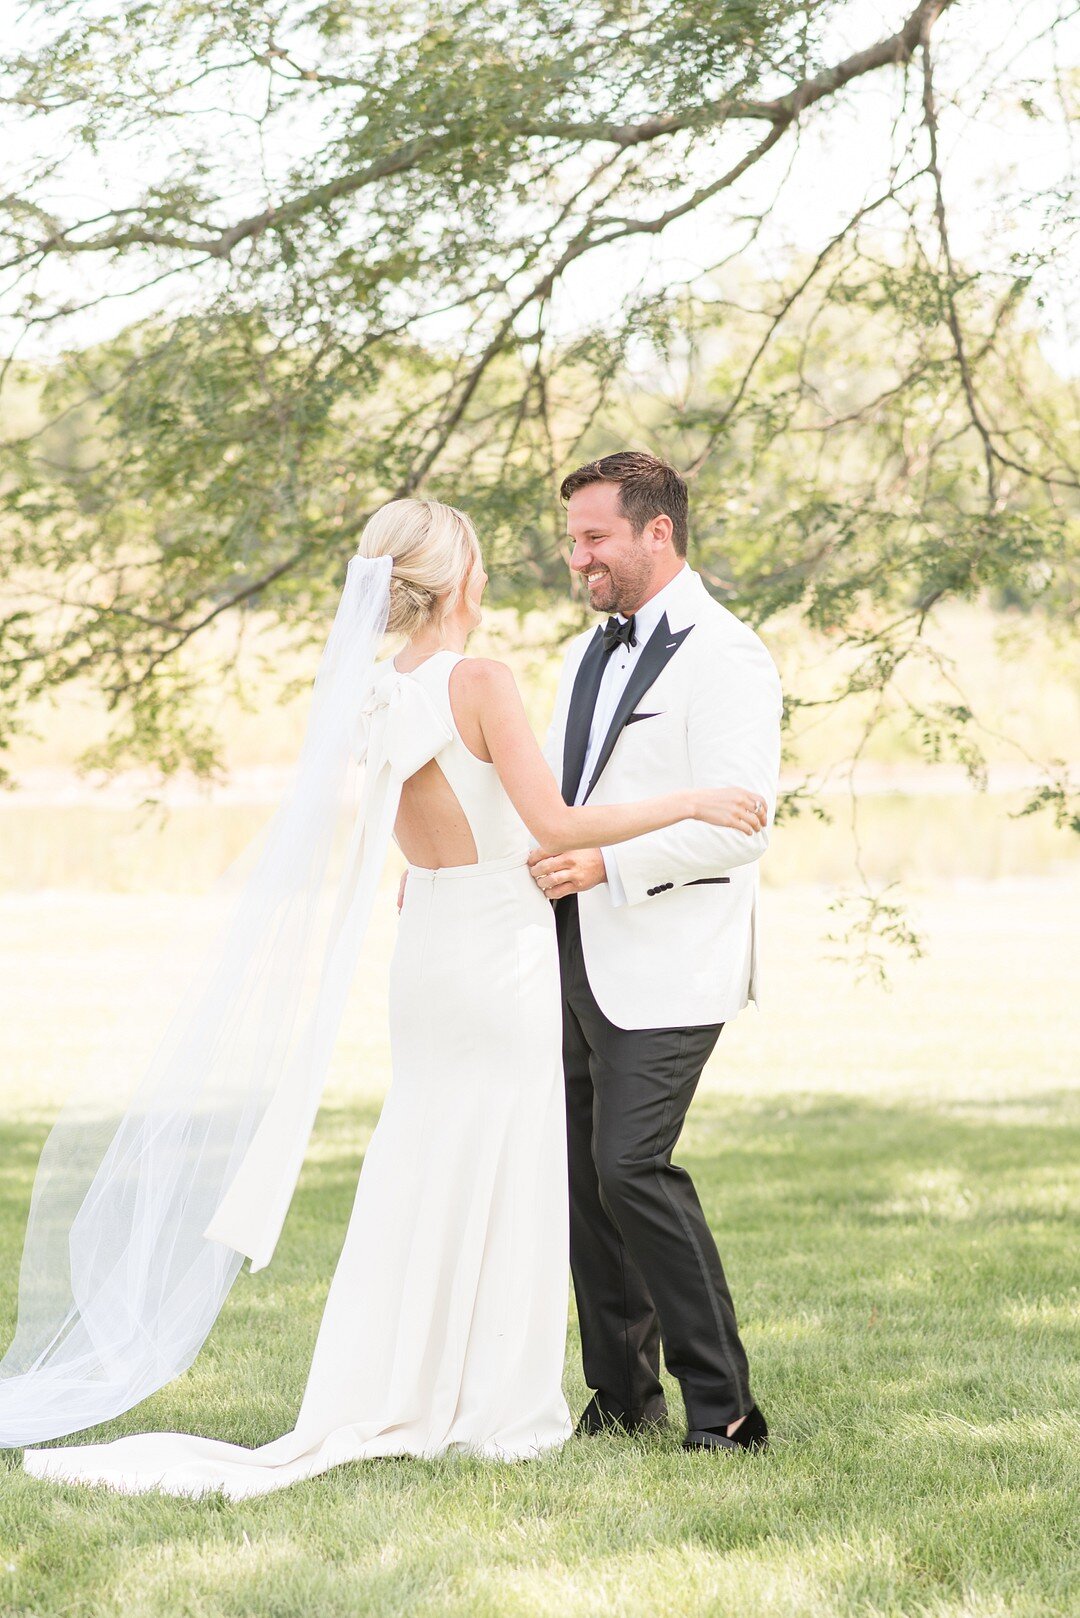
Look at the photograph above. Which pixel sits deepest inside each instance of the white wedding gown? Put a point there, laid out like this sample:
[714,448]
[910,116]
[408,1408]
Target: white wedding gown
[444,1327]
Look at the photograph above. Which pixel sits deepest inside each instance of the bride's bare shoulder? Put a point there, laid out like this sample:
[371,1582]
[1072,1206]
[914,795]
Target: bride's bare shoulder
[482,674]
[483,684]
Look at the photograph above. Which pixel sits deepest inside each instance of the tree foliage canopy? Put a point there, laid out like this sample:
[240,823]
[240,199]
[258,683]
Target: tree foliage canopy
[342,251]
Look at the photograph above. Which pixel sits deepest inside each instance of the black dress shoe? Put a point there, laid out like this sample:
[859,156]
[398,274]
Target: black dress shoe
[751,1434]
[598,1418]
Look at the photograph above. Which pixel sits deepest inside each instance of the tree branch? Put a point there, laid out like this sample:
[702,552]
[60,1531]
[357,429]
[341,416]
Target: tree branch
[780,112]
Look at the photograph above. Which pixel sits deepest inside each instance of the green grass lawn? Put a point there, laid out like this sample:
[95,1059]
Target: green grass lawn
[892,1179]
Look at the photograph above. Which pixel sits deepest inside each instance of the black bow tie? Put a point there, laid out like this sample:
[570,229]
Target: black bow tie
[616,630]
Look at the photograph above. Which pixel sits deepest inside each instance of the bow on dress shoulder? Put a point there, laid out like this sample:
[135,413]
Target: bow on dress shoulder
[400,727]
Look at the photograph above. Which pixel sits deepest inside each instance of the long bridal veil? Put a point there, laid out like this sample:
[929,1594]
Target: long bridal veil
[140,1218]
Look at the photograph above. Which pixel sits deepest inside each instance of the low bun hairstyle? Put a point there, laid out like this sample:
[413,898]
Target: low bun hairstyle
[435,552]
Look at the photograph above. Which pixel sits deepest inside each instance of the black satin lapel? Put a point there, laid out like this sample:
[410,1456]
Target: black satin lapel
[660,648]
[579,715]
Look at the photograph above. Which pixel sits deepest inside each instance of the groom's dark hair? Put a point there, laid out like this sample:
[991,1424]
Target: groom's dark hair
[648,488]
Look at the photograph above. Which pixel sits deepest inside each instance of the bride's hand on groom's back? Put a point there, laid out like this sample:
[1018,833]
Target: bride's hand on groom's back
[728,806]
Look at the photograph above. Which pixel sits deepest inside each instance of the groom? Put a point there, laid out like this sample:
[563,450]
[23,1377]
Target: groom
[657,943]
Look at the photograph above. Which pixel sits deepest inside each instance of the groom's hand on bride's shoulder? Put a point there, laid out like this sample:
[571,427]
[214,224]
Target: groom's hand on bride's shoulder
[556,875]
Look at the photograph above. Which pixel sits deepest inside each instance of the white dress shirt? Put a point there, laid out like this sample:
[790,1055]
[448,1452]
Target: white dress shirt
[613,683]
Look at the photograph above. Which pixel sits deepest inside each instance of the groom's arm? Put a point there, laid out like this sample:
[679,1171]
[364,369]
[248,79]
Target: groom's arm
[733,739]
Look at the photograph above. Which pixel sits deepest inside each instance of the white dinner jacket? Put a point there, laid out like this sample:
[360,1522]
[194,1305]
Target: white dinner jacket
[701,708]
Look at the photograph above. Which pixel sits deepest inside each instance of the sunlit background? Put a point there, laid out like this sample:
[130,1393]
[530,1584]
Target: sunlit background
[881,1130]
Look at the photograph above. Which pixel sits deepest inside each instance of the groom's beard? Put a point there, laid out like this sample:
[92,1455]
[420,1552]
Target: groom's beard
[622,590]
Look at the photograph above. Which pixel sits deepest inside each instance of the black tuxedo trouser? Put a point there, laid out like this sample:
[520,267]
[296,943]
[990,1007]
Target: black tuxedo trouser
[644,1261]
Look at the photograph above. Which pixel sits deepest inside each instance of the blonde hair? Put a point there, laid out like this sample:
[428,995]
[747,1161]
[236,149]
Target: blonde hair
[435,552]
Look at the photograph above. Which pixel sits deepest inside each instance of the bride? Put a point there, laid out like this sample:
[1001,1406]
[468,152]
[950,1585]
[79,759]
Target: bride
[445,1321]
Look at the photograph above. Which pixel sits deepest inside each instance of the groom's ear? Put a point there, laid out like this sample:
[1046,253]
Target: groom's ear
[660,532]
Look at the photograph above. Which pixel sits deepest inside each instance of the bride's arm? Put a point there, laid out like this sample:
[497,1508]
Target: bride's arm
[486,697]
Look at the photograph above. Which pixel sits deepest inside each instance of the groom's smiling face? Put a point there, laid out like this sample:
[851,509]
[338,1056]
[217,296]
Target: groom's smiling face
[616,563]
